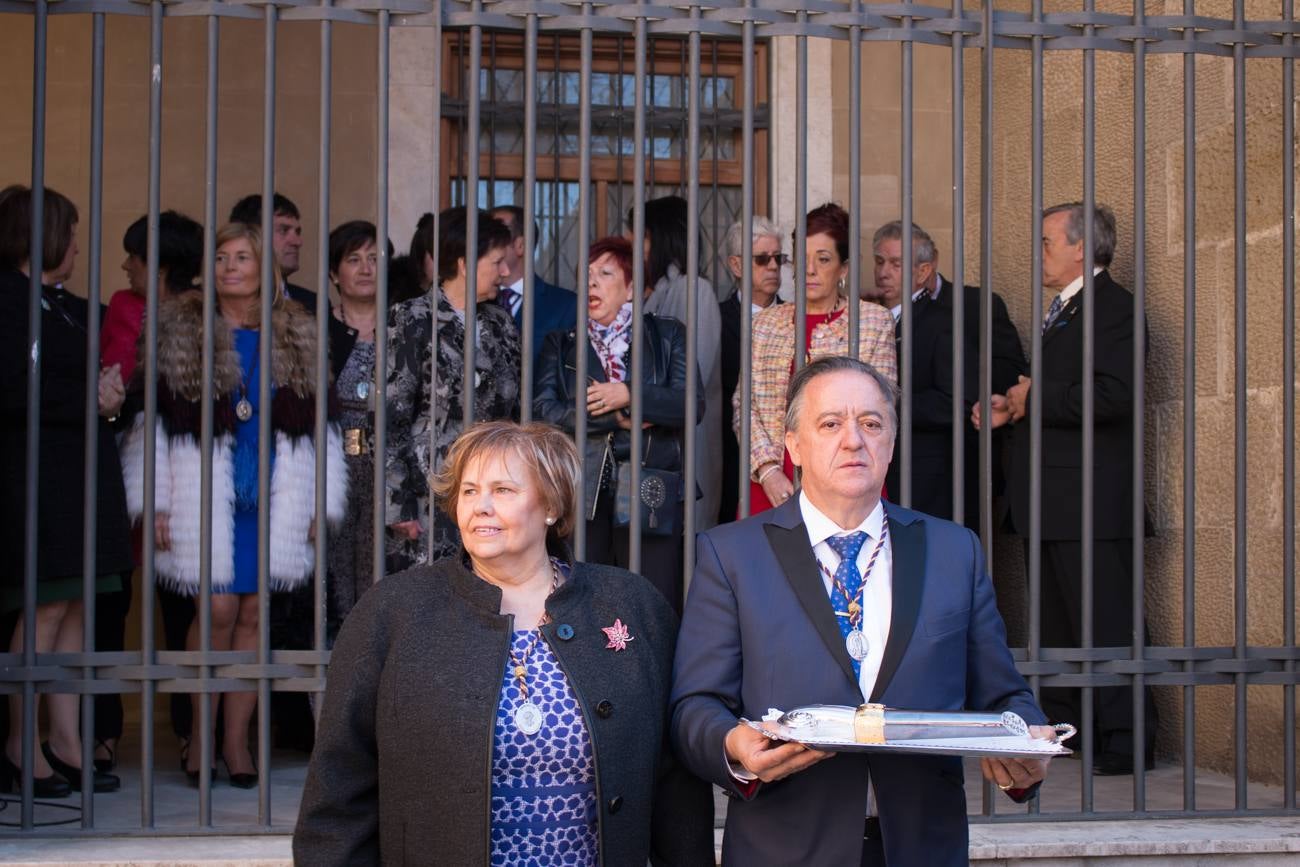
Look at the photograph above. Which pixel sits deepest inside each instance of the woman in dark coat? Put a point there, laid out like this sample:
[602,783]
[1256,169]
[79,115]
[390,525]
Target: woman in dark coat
[506,707]
[61,476]
[608,406]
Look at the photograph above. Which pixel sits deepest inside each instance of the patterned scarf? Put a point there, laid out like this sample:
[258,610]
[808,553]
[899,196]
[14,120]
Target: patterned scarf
[611,342]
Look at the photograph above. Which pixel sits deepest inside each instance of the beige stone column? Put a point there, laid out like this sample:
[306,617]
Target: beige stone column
[784,132]
[412,188]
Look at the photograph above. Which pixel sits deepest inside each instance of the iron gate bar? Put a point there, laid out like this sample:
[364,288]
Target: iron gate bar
[530,240]
[379,514]
[1138,454]
[381,415]
[1288,411]
[746,258]
[90,511]
[695,379]
[1239,396]
[469,147]
[583,280]
[206,436]
[1189,406]
[322,312]
[855,185]
[1034,548]
[1088,483]
[905,278]
[800,202]
[635,372]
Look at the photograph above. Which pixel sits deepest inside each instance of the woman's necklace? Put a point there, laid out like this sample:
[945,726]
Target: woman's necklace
[244,408]
[362,330]
[528,716]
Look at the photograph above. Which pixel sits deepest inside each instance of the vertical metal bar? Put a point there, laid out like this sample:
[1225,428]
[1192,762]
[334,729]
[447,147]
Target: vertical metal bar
[264,434]
[460,122]
[492,126]
[1089,400]
[958,272]
[1189,406]
[690,466]
[1239,395]
[1139,400]
[1288,407]
[618,130]
[35,265]
[986,264]
[638,278]
[855,184]
[747,255]
[468,392]
[801,196]
[381,343]
[584,249]
[905,281]
[322,344]
[681,147]
[206,434]
[530,240]
[152,291]
[1035,558]
[378,516]
[717,235]
[90,512]
[557,77]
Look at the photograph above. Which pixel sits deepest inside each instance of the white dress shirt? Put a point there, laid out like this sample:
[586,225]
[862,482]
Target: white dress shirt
[877,588]
[897,310]
[517,300]
[1075,286]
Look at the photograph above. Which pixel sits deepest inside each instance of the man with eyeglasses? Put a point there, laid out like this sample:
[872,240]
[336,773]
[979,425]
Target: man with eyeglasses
[767,262]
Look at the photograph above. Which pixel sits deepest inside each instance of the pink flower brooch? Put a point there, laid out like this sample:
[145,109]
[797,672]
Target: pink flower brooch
[618,636]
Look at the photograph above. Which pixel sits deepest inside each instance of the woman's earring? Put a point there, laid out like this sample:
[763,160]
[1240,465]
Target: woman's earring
[549,521]
[841,284]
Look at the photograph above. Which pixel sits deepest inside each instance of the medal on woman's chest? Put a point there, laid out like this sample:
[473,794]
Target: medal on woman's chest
[243,409]
[363,389]
[528,718]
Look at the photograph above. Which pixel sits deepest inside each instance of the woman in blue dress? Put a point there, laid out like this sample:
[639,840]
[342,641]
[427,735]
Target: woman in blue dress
[507,706]
[236,414]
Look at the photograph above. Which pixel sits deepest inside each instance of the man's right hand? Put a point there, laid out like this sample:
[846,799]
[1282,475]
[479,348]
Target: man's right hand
[767,759]
[1000,412]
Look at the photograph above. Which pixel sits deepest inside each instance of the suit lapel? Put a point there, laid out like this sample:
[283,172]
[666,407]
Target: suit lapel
[907,548]
[790,544]
[1067,314]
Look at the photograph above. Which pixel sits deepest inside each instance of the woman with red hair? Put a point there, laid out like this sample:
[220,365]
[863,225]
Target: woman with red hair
[608,403]
[826,332]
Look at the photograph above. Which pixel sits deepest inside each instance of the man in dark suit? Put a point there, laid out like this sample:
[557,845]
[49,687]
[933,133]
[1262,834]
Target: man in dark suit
[770,623]
[555,308]
[766,268]
[932,391]
[1061,395]
[286,240]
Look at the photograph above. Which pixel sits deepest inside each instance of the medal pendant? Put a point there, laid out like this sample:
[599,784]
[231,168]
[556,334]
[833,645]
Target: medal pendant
[363,390]
[856,644]
[528,718]
[243,409]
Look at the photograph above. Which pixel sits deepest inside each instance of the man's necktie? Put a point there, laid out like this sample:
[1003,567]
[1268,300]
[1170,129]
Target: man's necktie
[1053,311]
[507,298]
[846,586]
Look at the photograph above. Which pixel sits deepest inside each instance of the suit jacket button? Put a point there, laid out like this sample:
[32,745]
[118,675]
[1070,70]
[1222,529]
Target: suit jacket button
[615,804]
[564,631]
[605,709]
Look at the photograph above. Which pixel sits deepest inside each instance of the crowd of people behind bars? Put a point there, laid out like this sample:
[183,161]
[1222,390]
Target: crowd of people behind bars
[425,406]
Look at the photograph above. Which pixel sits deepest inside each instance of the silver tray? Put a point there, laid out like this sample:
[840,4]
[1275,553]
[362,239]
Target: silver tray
[957,733]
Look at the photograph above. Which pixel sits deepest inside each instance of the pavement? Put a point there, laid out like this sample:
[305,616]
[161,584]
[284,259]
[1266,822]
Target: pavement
[1002,833]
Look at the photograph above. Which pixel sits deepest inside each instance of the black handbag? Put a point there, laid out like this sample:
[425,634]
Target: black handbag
[660,493]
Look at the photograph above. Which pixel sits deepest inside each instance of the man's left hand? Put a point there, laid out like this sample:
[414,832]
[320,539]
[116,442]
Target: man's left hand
[1018,398]
[1018,774]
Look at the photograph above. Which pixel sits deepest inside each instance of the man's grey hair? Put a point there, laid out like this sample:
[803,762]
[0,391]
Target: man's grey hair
[1103,229]
[734,243]
[923,248]
[833,364]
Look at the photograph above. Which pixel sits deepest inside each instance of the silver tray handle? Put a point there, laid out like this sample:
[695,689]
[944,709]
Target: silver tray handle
[1064,731]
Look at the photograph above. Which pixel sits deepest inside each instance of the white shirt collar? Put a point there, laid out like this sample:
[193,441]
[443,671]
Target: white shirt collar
[518,286]
[1075,285]
[820,528]
[897,309]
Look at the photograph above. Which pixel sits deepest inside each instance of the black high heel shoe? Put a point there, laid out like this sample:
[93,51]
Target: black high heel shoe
[53,786]
[193,776]
[105,766]
[102,782]
[241,781]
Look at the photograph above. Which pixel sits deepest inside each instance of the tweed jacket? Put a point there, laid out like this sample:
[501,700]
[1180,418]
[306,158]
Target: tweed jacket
[401,769]
[414,413]
[178,452]
[773,354]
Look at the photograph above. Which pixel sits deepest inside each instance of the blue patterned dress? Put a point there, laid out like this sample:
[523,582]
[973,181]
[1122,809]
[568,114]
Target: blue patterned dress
[543,785]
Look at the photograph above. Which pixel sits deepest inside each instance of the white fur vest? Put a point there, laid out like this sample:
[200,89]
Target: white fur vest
[179,458]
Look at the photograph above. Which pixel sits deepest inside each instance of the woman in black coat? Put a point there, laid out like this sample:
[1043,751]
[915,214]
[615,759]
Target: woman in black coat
[59,516]
[508,707]
[608,406]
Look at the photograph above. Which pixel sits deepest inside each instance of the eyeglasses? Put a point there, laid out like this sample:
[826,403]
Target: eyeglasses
[761,259]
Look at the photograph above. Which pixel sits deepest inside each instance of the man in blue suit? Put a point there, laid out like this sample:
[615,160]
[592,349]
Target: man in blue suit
[555,308]
[836,597]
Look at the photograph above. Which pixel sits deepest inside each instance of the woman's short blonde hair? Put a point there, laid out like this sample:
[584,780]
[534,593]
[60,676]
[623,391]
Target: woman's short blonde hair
[252,234]
[548,452]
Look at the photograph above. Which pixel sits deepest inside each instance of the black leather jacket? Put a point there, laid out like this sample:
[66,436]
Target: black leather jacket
[663,401]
